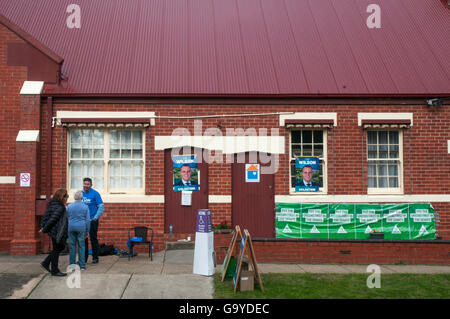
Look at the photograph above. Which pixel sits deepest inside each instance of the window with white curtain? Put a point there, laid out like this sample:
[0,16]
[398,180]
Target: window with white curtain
[113,158]
[384,161]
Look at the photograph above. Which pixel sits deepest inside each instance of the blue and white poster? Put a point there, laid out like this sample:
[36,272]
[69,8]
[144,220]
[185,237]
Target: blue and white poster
[186,175]
[307,171]
[252,173]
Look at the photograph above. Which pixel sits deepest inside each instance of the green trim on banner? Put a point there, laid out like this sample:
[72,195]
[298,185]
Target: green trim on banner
[355,221]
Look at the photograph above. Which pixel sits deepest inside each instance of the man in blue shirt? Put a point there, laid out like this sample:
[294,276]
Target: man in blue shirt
[96,208]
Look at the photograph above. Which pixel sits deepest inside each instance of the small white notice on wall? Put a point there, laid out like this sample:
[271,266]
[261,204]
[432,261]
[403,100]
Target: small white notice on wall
[25,179]
[186,198]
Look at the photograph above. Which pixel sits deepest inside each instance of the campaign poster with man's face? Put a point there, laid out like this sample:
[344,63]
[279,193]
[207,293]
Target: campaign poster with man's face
[307,171]
[186,175]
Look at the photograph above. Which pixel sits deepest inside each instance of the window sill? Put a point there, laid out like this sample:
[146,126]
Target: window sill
[308,193]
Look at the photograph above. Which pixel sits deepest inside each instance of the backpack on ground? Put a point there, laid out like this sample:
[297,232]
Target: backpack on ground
[106,250]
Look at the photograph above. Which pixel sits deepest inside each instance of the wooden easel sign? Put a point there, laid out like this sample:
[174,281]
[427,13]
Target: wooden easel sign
[246,241]
[253,260]
[226,261]
[237,273]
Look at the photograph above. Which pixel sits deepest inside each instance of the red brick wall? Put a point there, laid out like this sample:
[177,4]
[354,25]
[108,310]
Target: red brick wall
[119,218]
[315,252]
[382,253]
[343,142]
[11,81]
[345,152]
[220,178]
[344,155]
[6,215]
[26,239]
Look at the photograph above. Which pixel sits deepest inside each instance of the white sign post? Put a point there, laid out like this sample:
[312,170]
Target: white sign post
[204,257]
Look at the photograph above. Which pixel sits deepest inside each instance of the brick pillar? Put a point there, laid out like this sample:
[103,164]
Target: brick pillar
[26,239]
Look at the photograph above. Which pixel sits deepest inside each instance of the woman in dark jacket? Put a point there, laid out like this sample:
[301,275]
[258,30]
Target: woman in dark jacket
[54,222]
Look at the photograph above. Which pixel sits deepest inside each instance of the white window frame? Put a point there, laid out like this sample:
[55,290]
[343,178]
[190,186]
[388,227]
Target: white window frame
[386,190]
[324,189]
[107,161]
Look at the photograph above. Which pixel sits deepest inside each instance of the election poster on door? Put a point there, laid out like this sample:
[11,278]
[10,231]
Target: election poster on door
[186,175]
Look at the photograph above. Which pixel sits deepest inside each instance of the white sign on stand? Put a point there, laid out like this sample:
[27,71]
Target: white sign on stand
[25,179]
[204,257]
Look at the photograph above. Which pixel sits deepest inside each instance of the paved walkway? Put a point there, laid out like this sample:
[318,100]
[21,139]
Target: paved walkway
[168,276]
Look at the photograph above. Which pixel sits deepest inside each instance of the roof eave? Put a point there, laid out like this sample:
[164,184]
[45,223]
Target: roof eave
[246,96]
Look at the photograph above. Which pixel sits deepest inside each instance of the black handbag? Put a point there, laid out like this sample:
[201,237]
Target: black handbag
[62,228]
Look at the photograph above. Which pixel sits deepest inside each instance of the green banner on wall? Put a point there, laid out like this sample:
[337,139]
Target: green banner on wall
[342,221]
[355,221]
[314,221]
[287,221]
[396,221]
[368,219]
[421,220]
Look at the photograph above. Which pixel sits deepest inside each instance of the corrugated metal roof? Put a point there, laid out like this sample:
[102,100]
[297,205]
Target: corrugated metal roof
[243,47]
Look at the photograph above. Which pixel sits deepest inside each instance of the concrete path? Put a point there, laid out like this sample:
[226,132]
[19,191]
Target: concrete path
[168,276]
[15,285]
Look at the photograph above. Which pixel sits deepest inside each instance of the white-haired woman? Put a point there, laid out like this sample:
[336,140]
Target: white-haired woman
[79,224]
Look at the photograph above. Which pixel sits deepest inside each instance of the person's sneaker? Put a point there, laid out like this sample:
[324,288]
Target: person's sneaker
[95,261]
[83,268]
[45,267]
[72,266]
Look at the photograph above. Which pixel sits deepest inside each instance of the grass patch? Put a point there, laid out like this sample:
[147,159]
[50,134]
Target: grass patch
[340,286]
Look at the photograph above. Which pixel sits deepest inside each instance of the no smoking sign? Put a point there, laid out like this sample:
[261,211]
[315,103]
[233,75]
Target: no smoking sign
[25,179]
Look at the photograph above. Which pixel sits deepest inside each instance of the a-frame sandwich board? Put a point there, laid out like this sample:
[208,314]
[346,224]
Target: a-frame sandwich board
[236,234]
[246,244]
[253,260]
